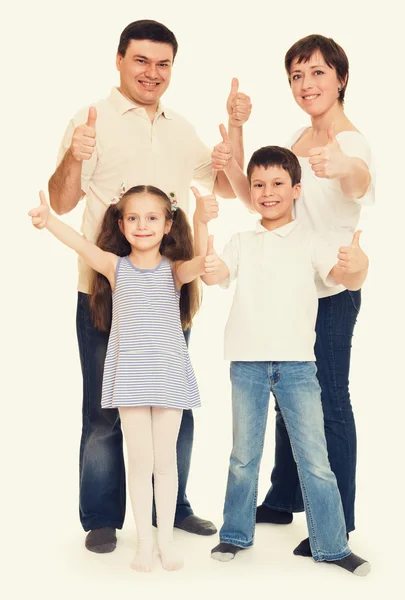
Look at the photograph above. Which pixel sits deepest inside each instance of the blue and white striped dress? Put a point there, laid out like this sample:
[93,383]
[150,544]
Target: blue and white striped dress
[147,362]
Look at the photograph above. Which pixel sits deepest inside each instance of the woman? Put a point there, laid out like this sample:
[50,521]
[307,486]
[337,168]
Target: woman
[337,179]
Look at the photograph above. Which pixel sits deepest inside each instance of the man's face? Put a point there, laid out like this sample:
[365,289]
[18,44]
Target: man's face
[273,194]
[145,71]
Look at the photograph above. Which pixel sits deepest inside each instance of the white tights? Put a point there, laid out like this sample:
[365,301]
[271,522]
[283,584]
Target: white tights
[151,436]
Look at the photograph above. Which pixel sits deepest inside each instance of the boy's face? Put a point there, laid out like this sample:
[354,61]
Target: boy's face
[273,194]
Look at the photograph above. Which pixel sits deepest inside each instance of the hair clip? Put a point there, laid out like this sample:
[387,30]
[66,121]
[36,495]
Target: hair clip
[116,199]
[173,201]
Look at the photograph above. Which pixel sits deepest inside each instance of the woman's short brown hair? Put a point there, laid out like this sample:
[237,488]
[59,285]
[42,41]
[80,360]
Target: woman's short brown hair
[333,54]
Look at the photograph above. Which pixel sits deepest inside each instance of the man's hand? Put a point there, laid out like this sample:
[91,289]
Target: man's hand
[206,207]
[238,105]
[84,137]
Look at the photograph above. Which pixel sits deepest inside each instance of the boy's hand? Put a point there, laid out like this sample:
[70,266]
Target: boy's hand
[40,214]
[84,137]
[329,162]
[222,154]
[238,105]
[212,261]
[352,258]
[206,207]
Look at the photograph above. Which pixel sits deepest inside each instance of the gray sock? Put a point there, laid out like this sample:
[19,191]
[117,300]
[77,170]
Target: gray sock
[354,564]
[225,552]
[194,524]
[101,540]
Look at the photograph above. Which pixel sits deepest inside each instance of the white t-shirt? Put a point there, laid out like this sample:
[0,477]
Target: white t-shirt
[275,304]
[131,150]
[322,207]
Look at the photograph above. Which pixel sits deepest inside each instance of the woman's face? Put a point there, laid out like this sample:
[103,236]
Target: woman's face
[314,85]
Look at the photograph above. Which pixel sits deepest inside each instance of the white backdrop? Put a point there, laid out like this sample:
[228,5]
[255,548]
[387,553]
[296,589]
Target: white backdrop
[60,56]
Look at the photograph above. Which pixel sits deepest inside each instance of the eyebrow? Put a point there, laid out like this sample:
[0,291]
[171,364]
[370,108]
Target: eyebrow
[164,60]
[311,66]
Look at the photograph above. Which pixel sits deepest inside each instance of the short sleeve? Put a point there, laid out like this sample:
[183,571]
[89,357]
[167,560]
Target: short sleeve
[230,256]
[203,172]
[354,144]
[88,166]
[324,258]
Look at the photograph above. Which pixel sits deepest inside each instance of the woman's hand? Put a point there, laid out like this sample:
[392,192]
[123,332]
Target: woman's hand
[329,161]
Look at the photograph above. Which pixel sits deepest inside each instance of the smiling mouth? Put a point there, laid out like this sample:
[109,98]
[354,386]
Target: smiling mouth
[311,97]
[148,84]
[270,204]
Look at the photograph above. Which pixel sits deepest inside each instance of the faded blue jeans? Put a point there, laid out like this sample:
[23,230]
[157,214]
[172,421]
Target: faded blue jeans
[102,471]
[297,392]
[335,323]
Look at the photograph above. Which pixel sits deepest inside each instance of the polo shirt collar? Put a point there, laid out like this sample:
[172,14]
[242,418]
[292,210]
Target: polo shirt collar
[123,105]
[281,231]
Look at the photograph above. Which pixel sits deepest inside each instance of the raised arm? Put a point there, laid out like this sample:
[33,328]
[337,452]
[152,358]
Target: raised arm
[99,260]
[208,266]
[331,162]
[65,184]
[352,267]
[223,160]
[239,108]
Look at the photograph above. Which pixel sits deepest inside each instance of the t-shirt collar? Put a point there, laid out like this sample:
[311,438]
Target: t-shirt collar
[281,231]
[123,105]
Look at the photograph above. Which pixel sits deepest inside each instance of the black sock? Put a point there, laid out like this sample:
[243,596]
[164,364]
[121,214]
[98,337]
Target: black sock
[304,549]
[268,515]
[225,552]
[353,563]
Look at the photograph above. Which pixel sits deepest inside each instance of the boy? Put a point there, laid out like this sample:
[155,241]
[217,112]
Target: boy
[269,339]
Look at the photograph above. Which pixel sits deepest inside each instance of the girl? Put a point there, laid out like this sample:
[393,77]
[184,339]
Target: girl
[144,265]
[337,180]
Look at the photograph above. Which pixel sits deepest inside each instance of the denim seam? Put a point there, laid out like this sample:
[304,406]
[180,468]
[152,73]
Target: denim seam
[236,542]
[304,491]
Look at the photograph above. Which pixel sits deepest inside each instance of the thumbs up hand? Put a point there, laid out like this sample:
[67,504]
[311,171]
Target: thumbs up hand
[212,262]
[39,215]
[206,207]
[329,161]
[84,137]
[238,105]
[352,258]
[222,153]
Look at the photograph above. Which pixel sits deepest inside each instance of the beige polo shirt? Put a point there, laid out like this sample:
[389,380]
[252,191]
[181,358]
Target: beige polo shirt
[275,304]
[131,150]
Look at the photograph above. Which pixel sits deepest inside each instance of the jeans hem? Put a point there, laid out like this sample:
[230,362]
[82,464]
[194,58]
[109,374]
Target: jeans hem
[185,511]
[284,508]
[100,525]
[235,542]
[320,556]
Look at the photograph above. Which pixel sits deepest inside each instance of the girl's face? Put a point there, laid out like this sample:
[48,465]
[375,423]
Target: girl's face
[144,221]
[314,85]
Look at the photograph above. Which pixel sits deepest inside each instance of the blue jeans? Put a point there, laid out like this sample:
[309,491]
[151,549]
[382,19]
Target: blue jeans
[297,392]
[102,471]
[334,331]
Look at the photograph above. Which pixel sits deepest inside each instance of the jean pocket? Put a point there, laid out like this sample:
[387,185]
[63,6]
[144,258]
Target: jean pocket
[355,298]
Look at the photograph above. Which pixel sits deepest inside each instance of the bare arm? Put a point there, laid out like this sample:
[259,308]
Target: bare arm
[65,184]
[99,260]
[187,271]
[356,178]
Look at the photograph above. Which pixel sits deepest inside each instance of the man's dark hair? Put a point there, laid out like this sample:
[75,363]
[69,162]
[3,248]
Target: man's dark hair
[147,30]
[275,156]
[333,54]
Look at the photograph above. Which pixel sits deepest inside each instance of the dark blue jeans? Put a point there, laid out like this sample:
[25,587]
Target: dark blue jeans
[337,317]
[102,471]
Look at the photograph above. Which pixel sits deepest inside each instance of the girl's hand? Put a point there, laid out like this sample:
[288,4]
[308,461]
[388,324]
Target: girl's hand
[352,258]
[40,214]
[329,162]
[212,262]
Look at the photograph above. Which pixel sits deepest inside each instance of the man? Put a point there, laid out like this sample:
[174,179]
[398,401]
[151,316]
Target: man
[125,140]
